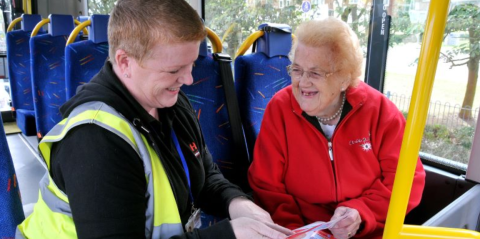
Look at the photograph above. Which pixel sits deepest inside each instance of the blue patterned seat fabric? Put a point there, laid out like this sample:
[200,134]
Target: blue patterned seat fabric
[11,211]
[258,76]
[18,57]
[84,59]
[48,72]
[208,99]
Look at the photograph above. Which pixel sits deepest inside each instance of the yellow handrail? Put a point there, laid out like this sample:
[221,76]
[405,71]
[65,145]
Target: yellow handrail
[77,29]
[417,115]
[215,40]
[77,22]
[248,42]
[13,23]
[422,232]
[39,26]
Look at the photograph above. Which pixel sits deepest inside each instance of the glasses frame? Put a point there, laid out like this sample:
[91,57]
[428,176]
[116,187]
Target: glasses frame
[323,76]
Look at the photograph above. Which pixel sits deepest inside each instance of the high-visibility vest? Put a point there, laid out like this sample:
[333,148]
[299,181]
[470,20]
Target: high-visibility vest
[52,216]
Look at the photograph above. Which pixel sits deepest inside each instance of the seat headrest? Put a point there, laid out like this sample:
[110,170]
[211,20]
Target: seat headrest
[98,28]
[82,18]
[203,48]
[277,40]
[30,21]
[60,25]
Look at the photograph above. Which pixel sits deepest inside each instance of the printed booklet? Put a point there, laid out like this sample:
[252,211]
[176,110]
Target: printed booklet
[315,230]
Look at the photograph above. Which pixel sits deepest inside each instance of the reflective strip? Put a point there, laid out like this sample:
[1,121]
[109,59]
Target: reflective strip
[54,203]
[167,230]
[162,217]
[18,234]
[89,113]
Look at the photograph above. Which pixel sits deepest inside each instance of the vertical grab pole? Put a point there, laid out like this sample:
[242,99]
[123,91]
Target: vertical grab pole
[417,115]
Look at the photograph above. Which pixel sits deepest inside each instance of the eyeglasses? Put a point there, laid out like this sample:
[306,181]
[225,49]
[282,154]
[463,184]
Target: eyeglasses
[297,73]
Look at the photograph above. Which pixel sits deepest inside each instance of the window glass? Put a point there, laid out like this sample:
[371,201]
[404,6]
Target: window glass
[5,98]
[100,6]
[454,106]
[235,20]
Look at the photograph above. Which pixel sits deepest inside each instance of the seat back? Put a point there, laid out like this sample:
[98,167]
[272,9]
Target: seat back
[11,211]
[48,71]
[259,75]
[208,99]
[84,59]
[18,57]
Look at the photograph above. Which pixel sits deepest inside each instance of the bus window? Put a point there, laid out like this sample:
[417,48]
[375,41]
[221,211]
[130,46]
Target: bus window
[454,106]
[4,82]
[235,20]
[100,6]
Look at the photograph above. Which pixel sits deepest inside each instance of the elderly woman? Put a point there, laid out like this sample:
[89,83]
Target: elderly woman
[129,159]
[329,143]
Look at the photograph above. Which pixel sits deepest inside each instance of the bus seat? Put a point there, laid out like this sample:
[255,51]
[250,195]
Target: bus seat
[82,18]
[18,58]
[259,75]
[208,99]
[11,211]
[48,71]
[84,59]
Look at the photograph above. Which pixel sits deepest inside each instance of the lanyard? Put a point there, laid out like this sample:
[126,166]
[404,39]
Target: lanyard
[184,162]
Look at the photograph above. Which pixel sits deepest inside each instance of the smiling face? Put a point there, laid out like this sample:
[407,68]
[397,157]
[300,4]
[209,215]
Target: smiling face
[317,97]
[156,81]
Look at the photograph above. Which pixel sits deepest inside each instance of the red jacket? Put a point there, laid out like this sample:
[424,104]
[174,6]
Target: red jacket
[293,178]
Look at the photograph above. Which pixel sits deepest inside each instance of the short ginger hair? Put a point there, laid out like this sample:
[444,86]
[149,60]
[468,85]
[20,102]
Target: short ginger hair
[135,26]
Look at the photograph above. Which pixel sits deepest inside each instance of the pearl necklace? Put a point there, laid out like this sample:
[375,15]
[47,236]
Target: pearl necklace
[334,116]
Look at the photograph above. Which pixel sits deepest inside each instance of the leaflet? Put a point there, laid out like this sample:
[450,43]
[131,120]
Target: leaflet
[314,230]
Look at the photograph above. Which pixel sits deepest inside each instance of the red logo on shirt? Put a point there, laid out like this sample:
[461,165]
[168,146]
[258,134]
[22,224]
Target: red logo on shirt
[194,149]
[193,146]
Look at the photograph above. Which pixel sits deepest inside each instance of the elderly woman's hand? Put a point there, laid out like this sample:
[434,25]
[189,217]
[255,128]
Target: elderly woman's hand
[348,226]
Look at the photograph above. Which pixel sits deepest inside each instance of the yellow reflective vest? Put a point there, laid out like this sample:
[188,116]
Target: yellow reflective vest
[52,216]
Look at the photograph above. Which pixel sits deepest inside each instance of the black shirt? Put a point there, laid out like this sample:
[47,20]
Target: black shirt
[104,177]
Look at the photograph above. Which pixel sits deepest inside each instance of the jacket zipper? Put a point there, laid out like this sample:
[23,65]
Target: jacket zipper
[330,147]
[330,153]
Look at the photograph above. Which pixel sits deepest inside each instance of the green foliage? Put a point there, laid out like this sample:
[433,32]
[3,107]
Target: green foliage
[234,21]
[100,6]
[464,18]
[464,136]
[454,144]
[436,132]
[402,27]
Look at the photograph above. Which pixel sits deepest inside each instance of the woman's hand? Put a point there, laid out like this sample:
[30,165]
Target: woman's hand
[243,207]
[348,226]
[248,228]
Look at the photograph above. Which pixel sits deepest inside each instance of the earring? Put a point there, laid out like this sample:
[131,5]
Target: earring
[126,75]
